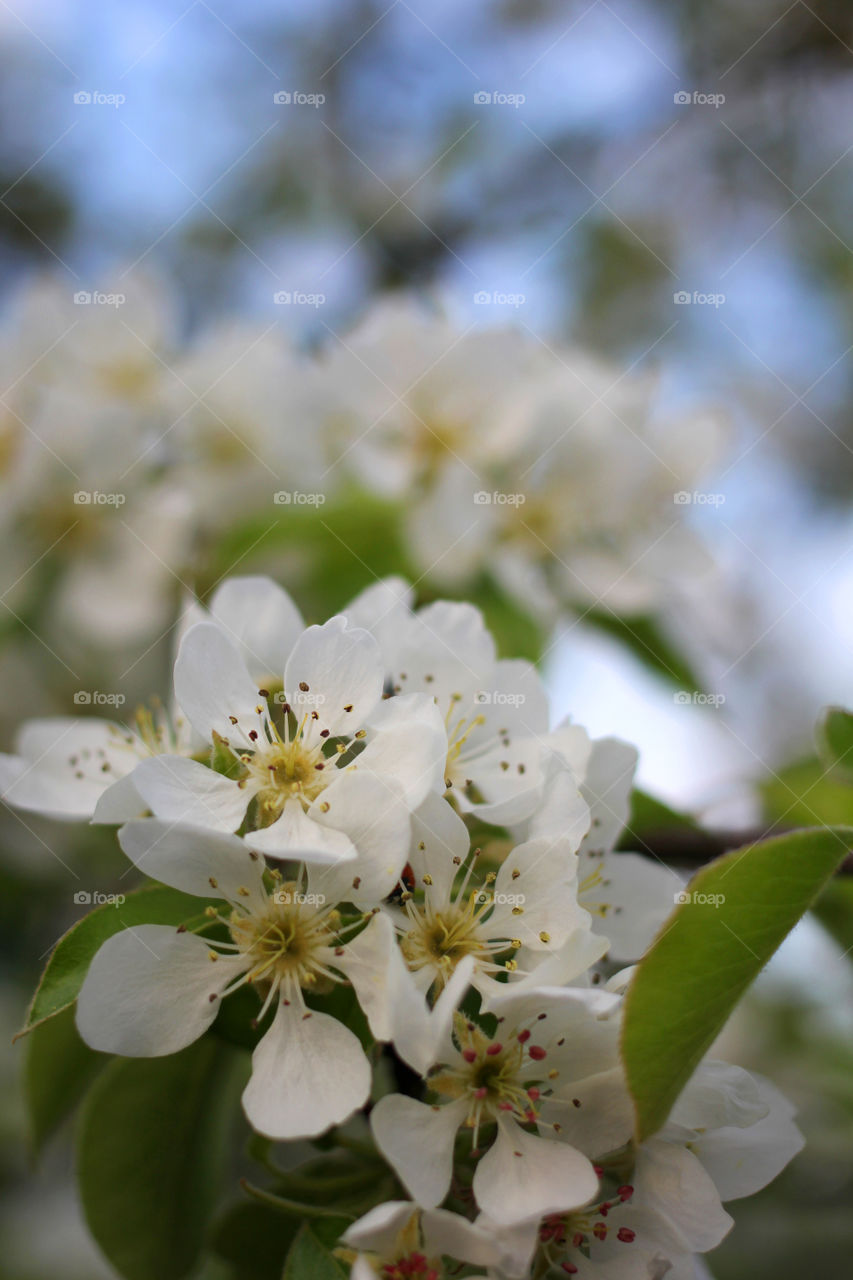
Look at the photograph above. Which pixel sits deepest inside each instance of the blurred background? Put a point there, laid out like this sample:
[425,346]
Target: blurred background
[667,187]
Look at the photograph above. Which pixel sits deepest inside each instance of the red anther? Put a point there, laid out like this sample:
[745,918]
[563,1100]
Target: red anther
[530,1115]
[599,1231]
[625,1193]
[494,1049]
[604,1208]
[533,1095]
[625,1234]
[482,1092]
[470,1055]
[505,1106]
[569,1268]
[577,1239]
[537,1053]
[598,1171]
[523,1037]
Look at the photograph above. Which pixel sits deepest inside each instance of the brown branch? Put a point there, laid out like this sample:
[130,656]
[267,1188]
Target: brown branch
[690,847]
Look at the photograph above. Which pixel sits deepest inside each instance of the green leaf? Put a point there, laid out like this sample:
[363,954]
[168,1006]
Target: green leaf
[58,1069]
[804,794]
[645,639]
[69,961]
[835,741]
[737,912]
[310,1260]
[254,1239]
[151,1151]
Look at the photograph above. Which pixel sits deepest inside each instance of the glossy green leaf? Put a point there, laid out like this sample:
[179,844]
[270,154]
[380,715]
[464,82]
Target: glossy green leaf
[308,1259]
[69,961]
[734,914]
[58,1069]
[151,1155]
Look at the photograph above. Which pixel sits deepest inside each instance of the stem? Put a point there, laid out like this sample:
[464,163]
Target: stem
[293,1207]
[689,847]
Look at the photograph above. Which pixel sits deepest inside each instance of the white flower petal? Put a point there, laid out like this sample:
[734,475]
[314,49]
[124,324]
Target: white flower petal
[537,969]
[422,1035]
[119,803]
[151,991]
[407,742]
[417,1141]
[196,860]
[629,898]
[451,1234]
[718,1095]
[377,1230]
[671,1185]
[537,875]
[509,778]
[342,668]
[375,816]
[185,791]
[563,813]
[63,765]
[446,651]
[607,787]
[595,1114]
[742,1161]
[383,609]
[297,834]
[213,688]
[261,620]
[438,836]
[308,1073]
[524,1176]
[366,961]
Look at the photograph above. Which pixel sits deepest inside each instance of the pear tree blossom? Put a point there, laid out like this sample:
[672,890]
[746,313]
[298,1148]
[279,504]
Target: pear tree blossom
[151,991]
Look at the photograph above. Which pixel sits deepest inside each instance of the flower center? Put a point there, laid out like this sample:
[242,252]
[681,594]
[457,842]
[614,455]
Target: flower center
[567,1235]
[494,1076]
[414,1266]
[289,767]
[288,943]
[440,939]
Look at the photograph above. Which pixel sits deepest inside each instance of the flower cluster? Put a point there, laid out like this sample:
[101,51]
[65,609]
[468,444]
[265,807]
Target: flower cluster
[378,804]
[127,451]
